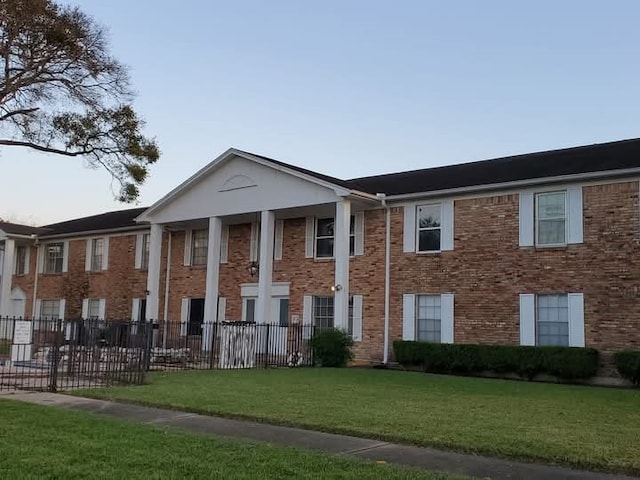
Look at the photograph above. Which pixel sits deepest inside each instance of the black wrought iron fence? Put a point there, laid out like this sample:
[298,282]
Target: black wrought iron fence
[54,354]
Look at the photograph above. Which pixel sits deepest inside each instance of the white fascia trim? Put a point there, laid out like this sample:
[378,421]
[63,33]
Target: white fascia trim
[202,173]
[513,185]
[95,233]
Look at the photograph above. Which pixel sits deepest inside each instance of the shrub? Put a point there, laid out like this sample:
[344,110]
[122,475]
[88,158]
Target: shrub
[331,347]
[564,362]
[628,365]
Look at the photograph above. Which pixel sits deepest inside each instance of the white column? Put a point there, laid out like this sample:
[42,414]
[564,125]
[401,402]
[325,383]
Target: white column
[265,274]
[212,282]
[153,274]
[213,270]
[7,276]
[341,254]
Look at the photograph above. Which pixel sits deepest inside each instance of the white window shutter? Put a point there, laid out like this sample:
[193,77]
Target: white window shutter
[135,310]
[184,316]
[277,247]
[253,253]
[87,258]
[576,320]
[409,316]
[409,242]
[187,247]
[65,258]
[447,225]
[102,309]
[575,216]
[40,258]
[38,311]
[357,318]
[85,308]
[139,246]
[526,219]
[309,237]
[27,259]
[446,318]
[307,316]
[224,244]
[222,309]
[527,319]
[61,308]
[105,253]
[358,233]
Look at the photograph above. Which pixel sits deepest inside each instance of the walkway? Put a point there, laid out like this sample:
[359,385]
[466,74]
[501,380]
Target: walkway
[425,458]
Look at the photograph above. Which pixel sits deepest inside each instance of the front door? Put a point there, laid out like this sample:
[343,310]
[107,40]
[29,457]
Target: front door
[196,316]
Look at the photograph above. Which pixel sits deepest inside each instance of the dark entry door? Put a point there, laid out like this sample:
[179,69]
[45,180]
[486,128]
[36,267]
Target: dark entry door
[196,316]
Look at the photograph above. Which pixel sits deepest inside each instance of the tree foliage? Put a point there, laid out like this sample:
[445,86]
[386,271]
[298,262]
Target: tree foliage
[62,92]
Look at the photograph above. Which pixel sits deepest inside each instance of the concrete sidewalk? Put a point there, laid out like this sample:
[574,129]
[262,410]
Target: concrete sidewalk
[375,450]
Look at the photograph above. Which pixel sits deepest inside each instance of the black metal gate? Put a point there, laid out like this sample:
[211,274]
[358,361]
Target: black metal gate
[50,354]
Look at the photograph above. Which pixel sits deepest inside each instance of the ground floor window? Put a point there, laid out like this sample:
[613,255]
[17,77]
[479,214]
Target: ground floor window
[552,320]
[324,313]
[428,318]
[50,309]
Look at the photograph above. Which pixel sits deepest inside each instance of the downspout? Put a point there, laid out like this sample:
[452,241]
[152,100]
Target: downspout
[387,269]
[165,311]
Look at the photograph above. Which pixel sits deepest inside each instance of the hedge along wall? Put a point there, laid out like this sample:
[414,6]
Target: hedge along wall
[567,363]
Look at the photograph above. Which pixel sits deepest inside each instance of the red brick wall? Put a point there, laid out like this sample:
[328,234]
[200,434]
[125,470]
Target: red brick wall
[487,270]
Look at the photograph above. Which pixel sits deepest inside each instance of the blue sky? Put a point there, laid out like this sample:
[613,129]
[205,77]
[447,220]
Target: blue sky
[350,88]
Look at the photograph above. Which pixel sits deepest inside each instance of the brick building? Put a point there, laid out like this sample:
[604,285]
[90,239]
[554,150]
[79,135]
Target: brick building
[532,249]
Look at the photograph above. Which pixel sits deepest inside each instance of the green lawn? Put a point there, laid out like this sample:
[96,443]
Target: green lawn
[45,442]
[588,427]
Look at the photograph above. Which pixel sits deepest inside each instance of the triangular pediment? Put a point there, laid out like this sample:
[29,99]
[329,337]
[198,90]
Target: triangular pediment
[237,184]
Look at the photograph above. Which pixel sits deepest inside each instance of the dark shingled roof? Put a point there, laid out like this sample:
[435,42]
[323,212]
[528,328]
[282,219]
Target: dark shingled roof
[319,176]
[17,229]
[104,221]
[568,161]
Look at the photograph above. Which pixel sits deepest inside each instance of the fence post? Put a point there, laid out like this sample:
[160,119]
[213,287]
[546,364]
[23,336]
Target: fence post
[53,379]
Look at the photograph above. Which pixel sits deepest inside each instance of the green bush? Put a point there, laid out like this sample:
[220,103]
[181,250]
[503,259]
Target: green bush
[628,365]
[331,347]
[567,363]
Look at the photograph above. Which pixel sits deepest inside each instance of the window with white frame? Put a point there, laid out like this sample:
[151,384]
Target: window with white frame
[144,252]
[54,257]
[21,260]
[93,309]
[552,320]
[325,236]
[551,218]
[429,227]
[97,254]
[249,309]
[50,309]
[324,313]
[428,318]
[199,247]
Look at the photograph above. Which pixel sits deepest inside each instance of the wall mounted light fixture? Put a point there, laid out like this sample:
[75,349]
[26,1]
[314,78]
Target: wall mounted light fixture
[253,268]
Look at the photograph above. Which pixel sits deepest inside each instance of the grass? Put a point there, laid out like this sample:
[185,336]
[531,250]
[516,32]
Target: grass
[586,427]
[45,442]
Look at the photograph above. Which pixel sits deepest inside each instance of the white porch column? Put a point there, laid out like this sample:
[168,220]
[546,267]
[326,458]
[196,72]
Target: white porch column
[153,273]
[7,276]
[265,274]
[341,254]
[212,282]
[213,270]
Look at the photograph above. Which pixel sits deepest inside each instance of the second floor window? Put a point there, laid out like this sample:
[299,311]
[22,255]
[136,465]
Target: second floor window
[325,237]
[429,227]
[21,260]
[551,218]
[97,254]
[199,247]
[54,257]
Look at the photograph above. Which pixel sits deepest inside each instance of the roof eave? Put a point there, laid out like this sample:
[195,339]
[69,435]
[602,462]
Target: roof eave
[515,184]
[86,233]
